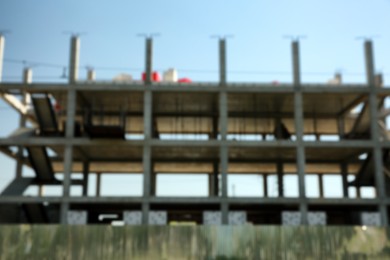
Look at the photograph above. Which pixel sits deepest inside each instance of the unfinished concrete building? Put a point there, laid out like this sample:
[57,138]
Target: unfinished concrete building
[288,128]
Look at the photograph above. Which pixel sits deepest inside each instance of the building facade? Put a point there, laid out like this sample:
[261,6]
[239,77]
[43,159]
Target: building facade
[264,129]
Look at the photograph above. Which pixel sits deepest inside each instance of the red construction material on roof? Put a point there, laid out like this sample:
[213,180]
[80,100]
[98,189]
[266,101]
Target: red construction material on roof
[155,76]
[184,80]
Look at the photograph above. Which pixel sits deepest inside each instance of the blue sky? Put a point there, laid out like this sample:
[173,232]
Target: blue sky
[257,52]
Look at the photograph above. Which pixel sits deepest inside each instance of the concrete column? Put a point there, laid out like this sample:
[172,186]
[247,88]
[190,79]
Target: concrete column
[211,184]
[27,76]
[147,183]
[85,178]
[223,153]
[321,185]
[378,155]
[148,60]
[153,181]
[68,153]
[341,126]
[358,195]
[2,45]
[91,75]
[265,185]
[344,176]
[215,177]
[98,183]
[279,167]
[27,79]
[215,127]
[296,64]
[40,190]
[299,122]
[222,61]
[147,154]
[74,59]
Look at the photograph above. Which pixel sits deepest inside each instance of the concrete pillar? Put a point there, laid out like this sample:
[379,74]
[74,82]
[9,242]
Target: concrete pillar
[299,122]
[341,126]
[85,178]
[27,76]
[27,79]
[98,183]
[215,127]
[279,167]
[147,154]
[91,75]
[211,184]
[321,185]
[358,195]
[222,61]
[74,59]
[2,45]
[223,153]
[344,176]
[296,64]
[369,62]
[153,182]
[68,153]
[378,155]
[148,60]
[216,179]
[265,185]
[40,190]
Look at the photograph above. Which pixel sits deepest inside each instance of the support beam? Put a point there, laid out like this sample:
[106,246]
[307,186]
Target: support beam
[85,178]
[2,45]
[98,183]
[344,177]
[358,193]
[74,59]
[222,61]
[321,185]
[41,190]
[216,178]
[68,154]
[91,75]
[15,103]
[299,122]
[148,60]
[265,185]
[296,64]
[153,181]
[147,155]
[223,152]
[280,173]
[377,153]
[17,187]
[26,100]
[211,184]
[341,126]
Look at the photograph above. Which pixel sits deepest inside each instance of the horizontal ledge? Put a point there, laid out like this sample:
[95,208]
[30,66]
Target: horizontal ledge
[195,200]
[190,87]
[83,141]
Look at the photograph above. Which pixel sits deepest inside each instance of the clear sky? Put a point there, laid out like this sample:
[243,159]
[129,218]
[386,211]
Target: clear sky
[256,53]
